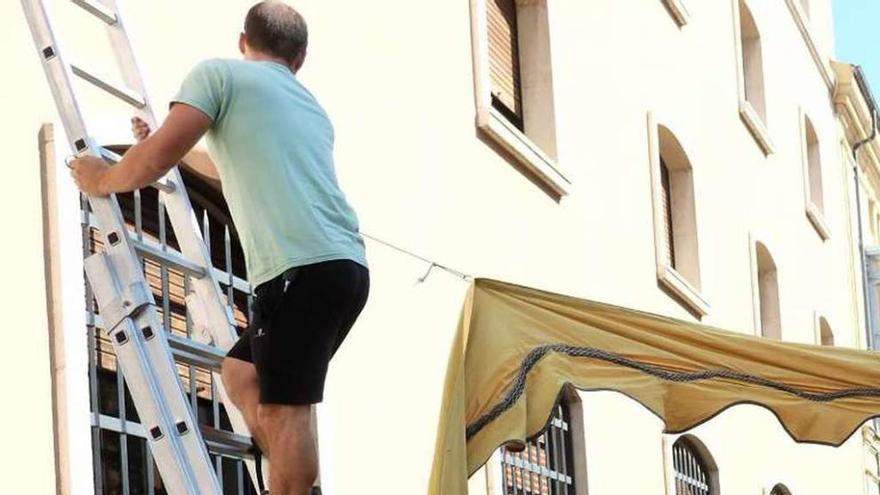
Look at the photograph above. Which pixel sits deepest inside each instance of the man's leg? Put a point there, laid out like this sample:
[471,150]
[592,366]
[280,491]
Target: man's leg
[289,434]
[243,389]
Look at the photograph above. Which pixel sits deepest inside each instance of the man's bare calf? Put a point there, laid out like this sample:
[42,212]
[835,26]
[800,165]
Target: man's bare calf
[288,431]
[282,432]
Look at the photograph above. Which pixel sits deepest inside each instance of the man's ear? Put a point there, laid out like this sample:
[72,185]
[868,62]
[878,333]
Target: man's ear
[242,43]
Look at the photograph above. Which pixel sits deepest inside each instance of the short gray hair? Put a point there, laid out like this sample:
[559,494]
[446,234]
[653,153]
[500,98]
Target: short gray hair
[276,29]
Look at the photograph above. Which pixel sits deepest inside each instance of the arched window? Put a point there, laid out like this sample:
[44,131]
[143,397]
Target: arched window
[780,489]
[814,164]
[675,218]
[752,61]
[553,461]
[768,293]
[122,450]
[680,220]
[826,336]
[695,471]
[815,203]
[519,71]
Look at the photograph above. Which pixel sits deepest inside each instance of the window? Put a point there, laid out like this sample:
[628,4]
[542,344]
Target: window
[675,219]
[873,219]
[514,84]
[123,462]
[694,470]
[504,60]
[876,227]
[780,489]
[812,158]
[826,336]
[768,294]
[753,110]
[872,460]
[552,462]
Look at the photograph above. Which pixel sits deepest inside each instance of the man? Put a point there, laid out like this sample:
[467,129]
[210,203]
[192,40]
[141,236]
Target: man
[272,144]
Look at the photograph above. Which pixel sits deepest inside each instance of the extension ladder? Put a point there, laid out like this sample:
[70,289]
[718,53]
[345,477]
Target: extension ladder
[126,304]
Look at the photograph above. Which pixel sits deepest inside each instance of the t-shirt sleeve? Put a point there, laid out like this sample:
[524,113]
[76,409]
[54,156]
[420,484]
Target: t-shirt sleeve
[205,88]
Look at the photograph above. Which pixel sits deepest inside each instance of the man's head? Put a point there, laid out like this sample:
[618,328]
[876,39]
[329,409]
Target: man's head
[274,30]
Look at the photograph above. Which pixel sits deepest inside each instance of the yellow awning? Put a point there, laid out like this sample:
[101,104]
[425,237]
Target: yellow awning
[517,347]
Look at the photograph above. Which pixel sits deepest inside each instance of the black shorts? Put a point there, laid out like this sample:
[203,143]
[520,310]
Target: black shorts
[300,319]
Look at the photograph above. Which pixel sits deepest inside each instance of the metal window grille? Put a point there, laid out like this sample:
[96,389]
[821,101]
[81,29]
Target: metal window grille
[546,465]
[122,461]
[872,469]
[691,475]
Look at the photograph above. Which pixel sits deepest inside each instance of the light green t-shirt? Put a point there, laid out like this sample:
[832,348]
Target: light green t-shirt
[273,147]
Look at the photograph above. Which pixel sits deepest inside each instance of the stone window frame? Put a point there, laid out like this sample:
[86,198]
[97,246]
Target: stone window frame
[535,151]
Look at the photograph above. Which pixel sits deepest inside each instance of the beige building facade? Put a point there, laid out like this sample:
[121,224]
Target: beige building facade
[683,157]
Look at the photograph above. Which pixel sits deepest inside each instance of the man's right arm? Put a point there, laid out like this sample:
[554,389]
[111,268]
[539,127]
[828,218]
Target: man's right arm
[197,159]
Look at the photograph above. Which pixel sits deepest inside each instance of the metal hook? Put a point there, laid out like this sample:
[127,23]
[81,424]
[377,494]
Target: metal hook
[427,273]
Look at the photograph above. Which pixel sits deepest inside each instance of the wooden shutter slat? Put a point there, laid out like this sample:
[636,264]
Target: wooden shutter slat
[667,214]
[504,55]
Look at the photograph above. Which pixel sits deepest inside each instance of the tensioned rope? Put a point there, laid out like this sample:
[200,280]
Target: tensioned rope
[431,263]
[537,353]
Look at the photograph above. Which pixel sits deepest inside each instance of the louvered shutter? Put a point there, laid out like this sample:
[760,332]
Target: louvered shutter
[504,59]
[667,214]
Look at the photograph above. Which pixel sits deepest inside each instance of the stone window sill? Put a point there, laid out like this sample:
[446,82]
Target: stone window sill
[756,126]
[817,219]
[673,280]
[526,152]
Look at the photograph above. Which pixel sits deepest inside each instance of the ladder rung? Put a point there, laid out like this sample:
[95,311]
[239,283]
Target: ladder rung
[98,10]
[195,353]
[115,158]
[237,282]
[226,442]
[123,94]
[186,351]
[153,251]
[218,441]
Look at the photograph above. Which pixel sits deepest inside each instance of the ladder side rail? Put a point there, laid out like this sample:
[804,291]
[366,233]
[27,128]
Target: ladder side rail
[171,455]
[218,320]
[213,319]
[131,338]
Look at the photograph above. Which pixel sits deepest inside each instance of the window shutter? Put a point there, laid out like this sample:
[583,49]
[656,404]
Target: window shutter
[667,214]
[504,59]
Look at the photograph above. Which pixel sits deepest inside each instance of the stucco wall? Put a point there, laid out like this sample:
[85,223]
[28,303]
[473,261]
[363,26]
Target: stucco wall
[396,78]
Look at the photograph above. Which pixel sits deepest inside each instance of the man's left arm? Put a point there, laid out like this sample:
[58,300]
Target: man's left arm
[147,161]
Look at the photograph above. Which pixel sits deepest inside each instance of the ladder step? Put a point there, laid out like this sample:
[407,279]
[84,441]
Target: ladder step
[116,158]
[123,94]
[218,441]
[189,351]
[98,10]
[153,251]
[195,270]
[184,350]
[226,442]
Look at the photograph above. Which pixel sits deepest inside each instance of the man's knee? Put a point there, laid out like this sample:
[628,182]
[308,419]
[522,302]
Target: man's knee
[275,416]
[238,377]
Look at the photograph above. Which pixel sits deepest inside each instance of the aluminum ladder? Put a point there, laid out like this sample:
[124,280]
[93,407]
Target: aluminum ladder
[127,307]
